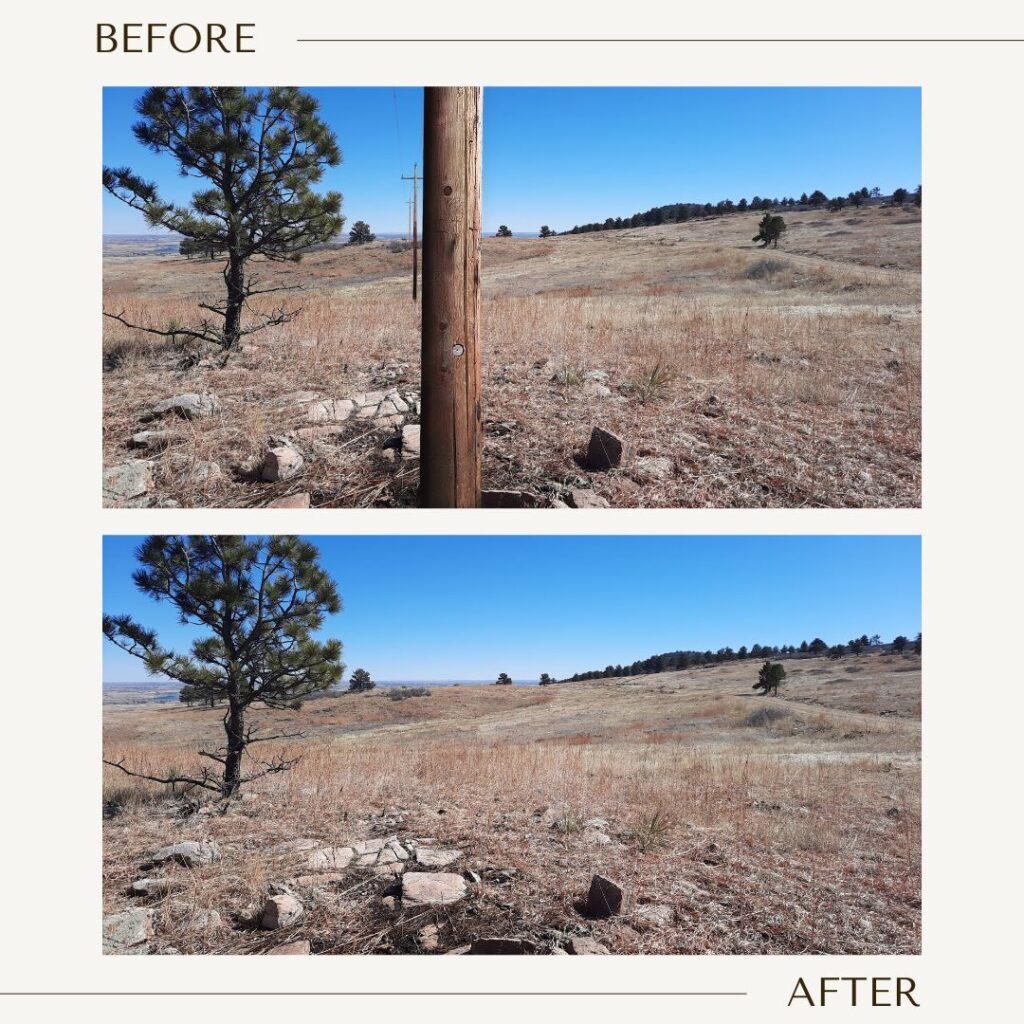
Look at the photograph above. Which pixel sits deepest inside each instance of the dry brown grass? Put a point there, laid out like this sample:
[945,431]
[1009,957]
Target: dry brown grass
[801,834]
[791,377]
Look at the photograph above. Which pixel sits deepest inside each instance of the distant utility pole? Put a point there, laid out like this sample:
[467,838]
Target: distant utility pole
[414,177]
[450,443]
[408,229]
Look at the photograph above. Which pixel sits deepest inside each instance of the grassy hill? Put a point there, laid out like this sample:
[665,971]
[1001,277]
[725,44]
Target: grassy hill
[738,376]
[734,823]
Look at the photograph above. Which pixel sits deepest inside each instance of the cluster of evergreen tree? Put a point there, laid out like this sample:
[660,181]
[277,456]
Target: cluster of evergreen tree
[673,661]
[678,213]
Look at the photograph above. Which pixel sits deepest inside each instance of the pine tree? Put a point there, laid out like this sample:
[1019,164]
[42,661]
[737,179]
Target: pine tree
[261,602]
[545,231]
[545,679]
[504,679]
[360,681]
[261,151]
[770,230]
[504,232]
[769,678]
[360,233]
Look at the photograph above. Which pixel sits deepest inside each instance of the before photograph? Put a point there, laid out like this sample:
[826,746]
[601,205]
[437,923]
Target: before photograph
[511,297]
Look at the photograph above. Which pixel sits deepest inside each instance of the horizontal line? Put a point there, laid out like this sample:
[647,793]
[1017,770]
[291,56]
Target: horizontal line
[463,40]
[371,993]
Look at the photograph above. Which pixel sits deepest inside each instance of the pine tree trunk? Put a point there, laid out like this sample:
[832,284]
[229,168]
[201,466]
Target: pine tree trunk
[235,728]
[234,276]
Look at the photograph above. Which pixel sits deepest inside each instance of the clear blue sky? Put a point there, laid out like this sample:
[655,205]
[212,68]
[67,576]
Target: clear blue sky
[565,156]
[451,608]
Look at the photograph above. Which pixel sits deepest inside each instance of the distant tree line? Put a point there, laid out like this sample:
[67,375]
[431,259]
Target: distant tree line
[673,661]
[678,213]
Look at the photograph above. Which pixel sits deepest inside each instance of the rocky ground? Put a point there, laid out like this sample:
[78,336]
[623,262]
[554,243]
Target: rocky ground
[673,813]
[731,376]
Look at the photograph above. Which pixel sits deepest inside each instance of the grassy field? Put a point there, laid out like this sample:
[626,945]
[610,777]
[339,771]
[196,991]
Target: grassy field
[737,376]
[734,823]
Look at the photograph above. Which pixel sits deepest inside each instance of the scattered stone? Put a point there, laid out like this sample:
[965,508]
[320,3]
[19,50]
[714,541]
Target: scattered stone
[128,480]
[713,406]
[604,450]
[281,912]
[388,902]
[331,410]
[604,897]
[281,463]
[331,858]
[130,928]
[365,846]
[428,937]
[188,406]
[153,887]
[430,858]
[324,878]
[658,914]
[595,390]
[189,853]
[577,497]
[151,440]
[595,823]
[654,468]
[411,442]
[582,945]
[298,398]
[300,947]
[596,375]
[433,888]
[204,473]
[508,499]
[458,951]
[502,947]
[300,500]
[558,951]
[206,921]
[557,503]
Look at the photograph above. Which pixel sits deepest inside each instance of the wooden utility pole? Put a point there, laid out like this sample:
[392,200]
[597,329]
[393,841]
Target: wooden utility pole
[414,177]
[450,443]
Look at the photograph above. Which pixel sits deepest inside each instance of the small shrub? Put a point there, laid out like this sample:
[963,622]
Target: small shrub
[650,832]
[765,716]
[760,269]
[649,385]
[405,692]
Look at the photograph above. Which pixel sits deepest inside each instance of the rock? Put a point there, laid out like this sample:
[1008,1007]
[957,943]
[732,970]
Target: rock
[595,823]
[300,947]
[188,406]
[604,450]
[713,406]
[595,390]
[281,463]
[508,499]
[659,915]
[398,849]
[153,887]
[131,928]
[189,853]
[596,375]
[331,858]
[427,937]
[331,410]
[604,897]
[298,398]
[558,951]
[411,442]
[281,912]
[458,951]
[558,503]
[323,878]
[388,902]
[581,945]
[300,845]
[206,921]
[128,480]
[654,468]
[151,440]
[430,858]
[300,500]
[365,846]
[502,947]
[578,497]
[433,888]
[204,473]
